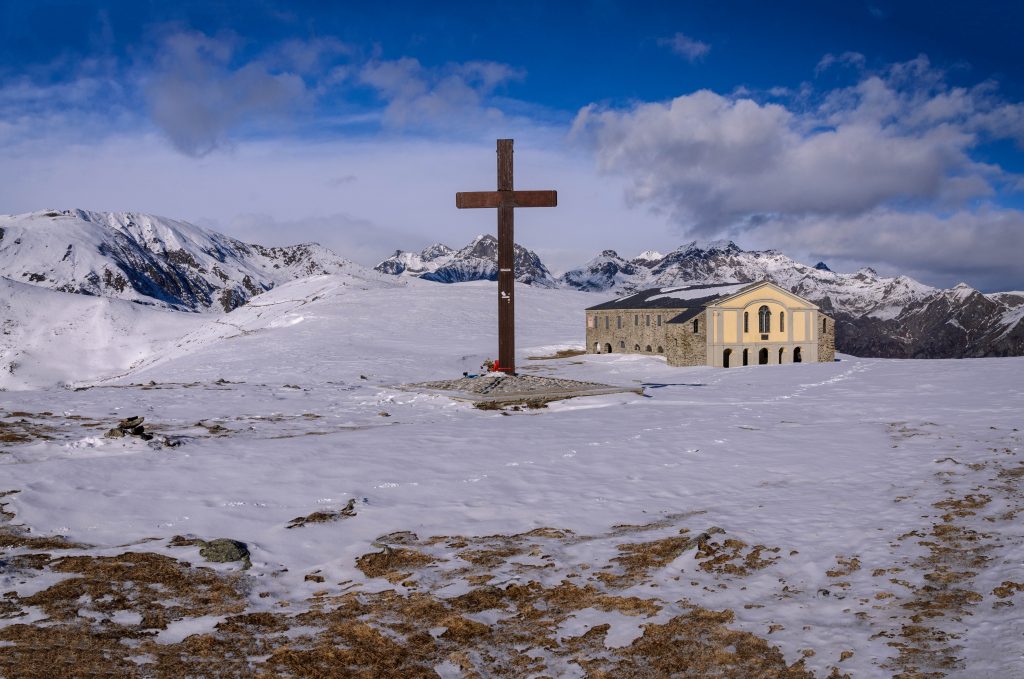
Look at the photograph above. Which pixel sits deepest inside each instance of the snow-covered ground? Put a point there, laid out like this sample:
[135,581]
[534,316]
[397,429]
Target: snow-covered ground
[891,489]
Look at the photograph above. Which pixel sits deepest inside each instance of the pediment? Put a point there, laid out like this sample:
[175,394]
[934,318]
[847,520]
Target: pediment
[765,291]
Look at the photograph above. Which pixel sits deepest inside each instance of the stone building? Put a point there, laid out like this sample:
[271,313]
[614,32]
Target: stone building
[725,325]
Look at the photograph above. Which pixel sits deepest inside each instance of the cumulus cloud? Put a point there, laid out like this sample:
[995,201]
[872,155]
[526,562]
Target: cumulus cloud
[453,95]
[686,47]
[981,246]
[197,95]
[897,139]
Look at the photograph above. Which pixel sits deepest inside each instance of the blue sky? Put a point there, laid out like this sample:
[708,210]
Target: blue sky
[874,134]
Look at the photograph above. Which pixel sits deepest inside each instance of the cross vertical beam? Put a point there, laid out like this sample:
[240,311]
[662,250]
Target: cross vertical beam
[506,264]
[506,199]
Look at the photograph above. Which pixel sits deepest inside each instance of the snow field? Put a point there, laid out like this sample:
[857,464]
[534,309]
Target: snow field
[826,462]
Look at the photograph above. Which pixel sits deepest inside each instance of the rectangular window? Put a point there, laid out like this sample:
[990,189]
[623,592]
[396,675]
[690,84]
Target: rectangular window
[618,322]
[590,322]
[636,319]
[607,322]
[659,320]
[647,320]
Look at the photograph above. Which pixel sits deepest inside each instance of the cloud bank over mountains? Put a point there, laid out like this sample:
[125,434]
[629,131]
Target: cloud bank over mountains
[890,166]
[881,170]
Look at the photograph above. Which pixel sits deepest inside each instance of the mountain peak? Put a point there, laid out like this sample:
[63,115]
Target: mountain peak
[822,266]
[476,261]
[150,260]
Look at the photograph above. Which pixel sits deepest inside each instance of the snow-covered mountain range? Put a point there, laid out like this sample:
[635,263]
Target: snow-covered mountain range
[895,317]
[175,265]
[478,261]
[150,260]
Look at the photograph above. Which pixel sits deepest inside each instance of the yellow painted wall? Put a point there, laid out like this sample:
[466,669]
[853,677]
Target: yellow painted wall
[778,302]
[800,325]
[730,327]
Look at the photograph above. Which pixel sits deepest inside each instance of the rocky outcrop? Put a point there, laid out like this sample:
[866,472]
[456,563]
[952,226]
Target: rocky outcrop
[150,260]
[478,261]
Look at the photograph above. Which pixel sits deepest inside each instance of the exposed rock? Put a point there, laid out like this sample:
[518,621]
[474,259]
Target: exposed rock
[152,260]
[345,512]
[475,262]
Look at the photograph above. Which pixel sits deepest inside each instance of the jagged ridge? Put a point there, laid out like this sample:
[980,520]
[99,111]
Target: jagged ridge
[476,262]
[150,260]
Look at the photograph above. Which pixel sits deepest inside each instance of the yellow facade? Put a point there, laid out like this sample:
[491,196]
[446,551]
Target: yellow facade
[761,324]
[762,317]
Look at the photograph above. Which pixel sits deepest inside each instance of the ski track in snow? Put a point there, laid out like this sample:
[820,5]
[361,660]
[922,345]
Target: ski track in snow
[825,461]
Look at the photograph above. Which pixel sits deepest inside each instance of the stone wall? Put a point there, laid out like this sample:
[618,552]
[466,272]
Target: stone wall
[686,347]
[826,339]
[636,333]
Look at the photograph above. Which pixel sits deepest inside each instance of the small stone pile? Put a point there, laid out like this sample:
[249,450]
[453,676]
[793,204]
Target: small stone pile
[131,426]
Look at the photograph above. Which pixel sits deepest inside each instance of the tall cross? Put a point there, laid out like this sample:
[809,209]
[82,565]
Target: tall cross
[506,199]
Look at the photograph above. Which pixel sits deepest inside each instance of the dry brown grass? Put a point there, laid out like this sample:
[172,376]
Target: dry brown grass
[345,512]
[844,567]
[392,564]
[342,631]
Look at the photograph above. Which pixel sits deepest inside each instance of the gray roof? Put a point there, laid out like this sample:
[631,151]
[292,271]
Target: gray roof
[677,297]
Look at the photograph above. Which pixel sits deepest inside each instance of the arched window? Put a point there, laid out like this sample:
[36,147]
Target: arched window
[696,325]
[746,323]
[661,350]
[725,357]
[636,347]
[762,357]
[607,348]
[781,352]
[764,319]
[782,321]
[648,349]
[797,356]
[597,347]
[745,358]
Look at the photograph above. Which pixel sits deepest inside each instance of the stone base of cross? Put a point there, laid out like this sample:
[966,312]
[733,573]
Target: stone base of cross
[506,199]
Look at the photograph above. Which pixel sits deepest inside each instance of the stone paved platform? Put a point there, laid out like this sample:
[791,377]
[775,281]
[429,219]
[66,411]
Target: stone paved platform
[515,389]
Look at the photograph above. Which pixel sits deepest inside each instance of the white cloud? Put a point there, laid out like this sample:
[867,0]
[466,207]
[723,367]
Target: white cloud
[712,161]
[450,96]
[197,96]
[981,246]
[686,47]
[852,59]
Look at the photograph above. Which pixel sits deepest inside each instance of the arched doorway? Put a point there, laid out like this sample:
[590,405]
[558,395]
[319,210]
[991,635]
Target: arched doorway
[597,347]
[746,360]
[781,352]
[725,357]
[607,348]
[762,357]
[797,358]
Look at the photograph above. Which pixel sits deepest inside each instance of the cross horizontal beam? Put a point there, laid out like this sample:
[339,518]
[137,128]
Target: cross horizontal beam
[472,199]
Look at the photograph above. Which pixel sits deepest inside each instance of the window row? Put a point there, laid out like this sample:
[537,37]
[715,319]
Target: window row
[595,322]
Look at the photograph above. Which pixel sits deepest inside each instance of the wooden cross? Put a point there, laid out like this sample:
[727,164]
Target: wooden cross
[506,199]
